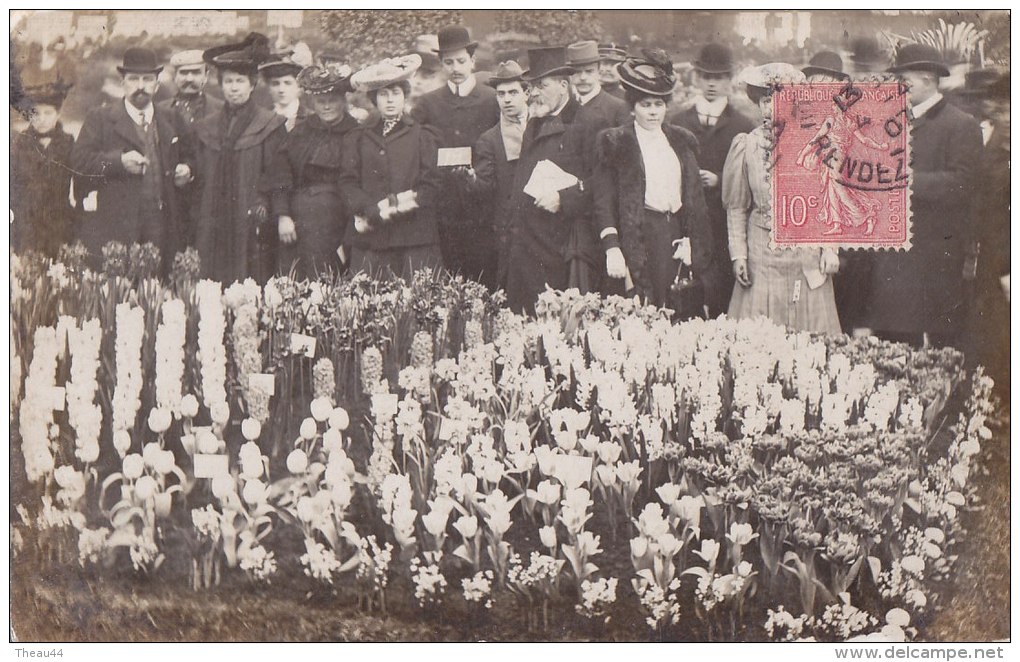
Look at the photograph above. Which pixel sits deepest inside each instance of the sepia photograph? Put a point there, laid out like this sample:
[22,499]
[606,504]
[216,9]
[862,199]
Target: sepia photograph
[501,325]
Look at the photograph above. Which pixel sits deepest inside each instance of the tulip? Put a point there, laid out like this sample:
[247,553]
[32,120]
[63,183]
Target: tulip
[548,492]
[638,547]
[189,406]
[913,564]
[893,633]
[467,526]
[150,453]
[468,485]
[741,534]
[308,429]
[628,471]
[546,460]
[339,419]
[297,461]
[435,522]
[207,442]
[254,492]
[250,451]
[321,409]
[916,598]
[162,504]
[88,453]
[669,493]
[133,465]
[121,441]
[932,550]
[897,616]
[220,413]
[709,551]
[145,487]
[159,420]
[165,463]
[606,474]
[306,509]
[565,439]
[499,522]
[935,535]
[332,440]
[668,544]
[609,452]
[341,494]
[651,522]
[251,429]
[955,499]
[222,487]
[590,444]
[547,534]
[744,569]
[588,544]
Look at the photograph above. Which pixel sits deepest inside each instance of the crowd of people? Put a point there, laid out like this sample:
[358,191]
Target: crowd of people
[575,172]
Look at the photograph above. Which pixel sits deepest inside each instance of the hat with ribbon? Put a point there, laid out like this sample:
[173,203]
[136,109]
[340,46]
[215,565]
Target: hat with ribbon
[652,75]
[387,72]
[714,58]
[919,57]
[581,53]
[139,61]
[192,58]
[506,72]
[452,38]
[547,61]
[325,79]
[244,57]
[612,52]
[826,63]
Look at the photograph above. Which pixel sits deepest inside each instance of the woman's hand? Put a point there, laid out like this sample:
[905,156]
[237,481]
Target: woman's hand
[288,231]
[616,266]
[741,272]
[828,263]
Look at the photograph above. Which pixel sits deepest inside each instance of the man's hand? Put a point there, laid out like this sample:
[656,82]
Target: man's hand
[616,266]
[182,175]
[549,202]
[288,232]
[708,178]
[828,263]
[134,162]
[741,272]
[466,173]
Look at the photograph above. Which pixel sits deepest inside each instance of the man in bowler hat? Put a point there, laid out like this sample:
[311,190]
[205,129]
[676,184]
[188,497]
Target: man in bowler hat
[917,295]
[461,110]
[136,157]
[714,122]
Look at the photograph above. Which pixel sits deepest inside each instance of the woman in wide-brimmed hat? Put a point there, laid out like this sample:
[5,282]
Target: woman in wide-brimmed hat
[777,284]
[649,209]
[389,178]
[236,145]
[303,182]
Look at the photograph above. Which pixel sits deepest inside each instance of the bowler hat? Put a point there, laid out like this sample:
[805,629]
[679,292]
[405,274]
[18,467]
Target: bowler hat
[506,72]
[652,75]
[581,53]
[244,57]
[547,61]
[919,57]
[454,37]
[865,53]
[714,59]
[612,52]
[826,63]
[139,61]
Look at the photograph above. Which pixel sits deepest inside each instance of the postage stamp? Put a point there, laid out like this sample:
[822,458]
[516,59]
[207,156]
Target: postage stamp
[841,175]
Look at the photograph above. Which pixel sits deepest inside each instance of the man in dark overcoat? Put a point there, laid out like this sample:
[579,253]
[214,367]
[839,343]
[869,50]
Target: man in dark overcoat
[600,109]
[714,122]
[497,154]
[461,110]
[918,295]
[190,76]
[137,156]
[610,55]
[550,234]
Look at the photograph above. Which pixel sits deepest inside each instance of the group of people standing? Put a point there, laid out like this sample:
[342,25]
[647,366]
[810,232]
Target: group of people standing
[575,172]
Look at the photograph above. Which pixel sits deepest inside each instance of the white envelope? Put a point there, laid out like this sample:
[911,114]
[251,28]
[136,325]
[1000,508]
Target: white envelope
[547,177]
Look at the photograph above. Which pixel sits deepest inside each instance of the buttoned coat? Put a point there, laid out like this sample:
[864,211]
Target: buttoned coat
[921,290]
[42,218]
[106,134]
[495,184]
[619,198]
[541,243]
[376,166]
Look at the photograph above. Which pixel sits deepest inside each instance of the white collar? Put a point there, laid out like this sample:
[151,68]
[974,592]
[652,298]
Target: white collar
[583,99]
[923,107]
[713,108]
[522,120]
[290,110]
[466,88]
[137,116]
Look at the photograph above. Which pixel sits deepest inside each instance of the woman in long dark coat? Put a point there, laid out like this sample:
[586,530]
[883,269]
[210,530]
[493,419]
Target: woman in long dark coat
[236,146]
[41,175]
[390,179]
[304,180]
[649,206]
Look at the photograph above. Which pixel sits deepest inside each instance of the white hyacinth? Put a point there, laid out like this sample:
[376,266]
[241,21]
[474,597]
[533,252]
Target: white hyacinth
[128,389]
[170,336]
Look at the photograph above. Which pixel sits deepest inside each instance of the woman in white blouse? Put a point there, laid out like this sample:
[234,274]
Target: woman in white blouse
[649,209]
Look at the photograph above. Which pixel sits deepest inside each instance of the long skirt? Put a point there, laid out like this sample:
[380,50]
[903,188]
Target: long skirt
[319,218]
[779,290]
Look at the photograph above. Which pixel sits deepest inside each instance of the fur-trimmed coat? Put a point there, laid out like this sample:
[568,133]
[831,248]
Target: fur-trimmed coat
[619,198]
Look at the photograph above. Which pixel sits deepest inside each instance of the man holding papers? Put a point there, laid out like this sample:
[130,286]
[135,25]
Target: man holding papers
[550,234]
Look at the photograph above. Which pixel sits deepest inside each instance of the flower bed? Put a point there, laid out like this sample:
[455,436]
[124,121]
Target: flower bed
[420,442]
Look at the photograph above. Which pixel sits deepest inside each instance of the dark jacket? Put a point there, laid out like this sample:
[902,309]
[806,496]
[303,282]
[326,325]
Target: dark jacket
[921,290]
[120,213]
[605,111]
[202,107]
[495,184]
[713,146]
[540,242]
[375,167]
[460,121]
[619,192]
[230,194]
[40,185]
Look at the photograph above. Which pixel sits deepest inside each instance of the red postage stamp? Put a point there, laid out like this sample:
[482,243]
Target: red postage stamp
[841,175]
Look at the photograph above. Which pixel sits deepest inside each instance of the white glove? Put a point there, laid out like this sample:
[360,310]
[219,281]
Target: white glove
[682,250]
[616,266]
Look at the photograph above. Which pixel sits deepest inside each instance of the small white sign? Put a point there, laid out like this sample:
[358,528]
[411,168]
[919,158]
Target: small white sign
[454,156]
[265,382]
[211,466]
[302,344]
